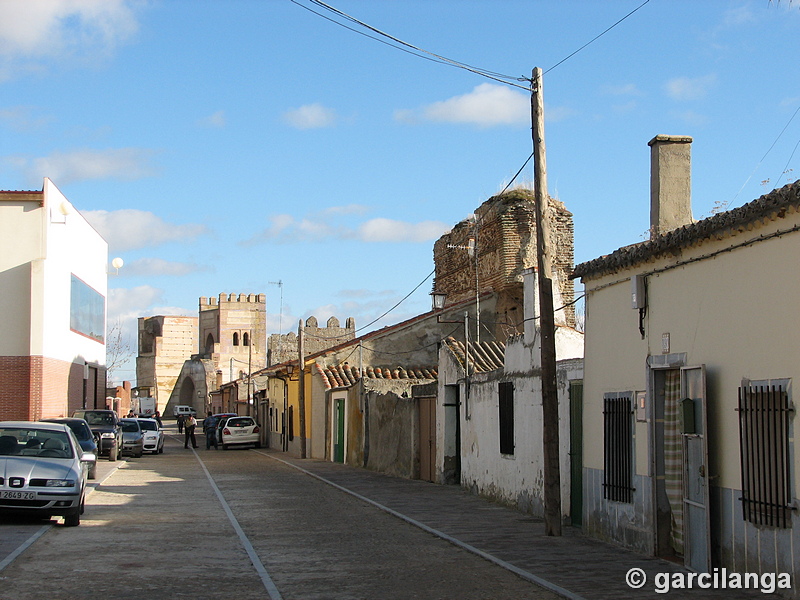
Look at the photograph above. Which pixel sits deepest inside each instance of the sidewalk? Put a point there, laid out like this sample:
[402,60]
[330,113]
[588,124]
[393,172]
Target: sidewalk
[573,565]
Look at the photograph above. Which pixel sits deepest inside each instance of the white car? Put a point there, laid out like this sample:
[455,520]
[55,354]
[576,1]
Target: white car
[240,430]
[153,436]
[43,470]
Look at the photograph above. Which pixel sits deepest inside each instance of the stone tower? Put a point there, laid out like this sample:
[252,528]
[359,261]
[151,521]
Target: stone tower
[233,333]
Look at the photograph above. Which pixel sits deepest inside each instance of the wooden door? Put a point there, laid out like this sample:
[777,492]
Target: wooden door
[427,439]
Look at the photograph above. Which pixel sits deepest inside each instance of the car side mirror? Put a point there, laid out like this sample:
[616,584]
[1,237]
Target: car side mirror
[88,457]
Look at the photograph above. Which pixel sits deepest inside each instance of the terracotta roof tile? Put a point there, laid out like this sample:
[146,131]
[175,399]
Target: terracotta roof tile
[338,376]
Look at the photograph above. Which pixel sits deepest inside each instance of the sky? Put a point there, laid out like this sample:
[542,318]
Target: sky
[273,146]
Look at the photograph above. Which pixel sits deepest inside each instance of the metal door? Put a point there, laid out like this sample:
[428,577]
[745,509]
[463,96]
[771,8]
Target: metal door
[338,430]
[427,438]
[696,525]
[576,452]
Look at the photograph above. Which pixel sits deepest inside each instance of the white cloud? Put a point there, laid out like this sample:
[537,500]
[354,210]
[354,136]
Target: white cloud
[216,120]
[31,31]
[487,105]
[129,228]
[688,88]
[311,116]
[131,303]
[389,230]
[80,165]
[22,119]
[155,267]
[287,229]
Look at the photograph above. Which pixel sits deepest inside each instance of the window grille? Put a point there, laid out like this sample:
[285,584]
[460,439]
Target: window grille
[506,417]
[618,441]
[764,416]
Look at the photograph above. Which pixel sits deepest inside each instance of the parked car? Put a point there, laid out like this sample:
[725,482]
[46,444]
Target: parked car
[105,427]
[132,437]
[222,418]
[44,470]
[86,439]
[184,410]
[153,436]
[240,430]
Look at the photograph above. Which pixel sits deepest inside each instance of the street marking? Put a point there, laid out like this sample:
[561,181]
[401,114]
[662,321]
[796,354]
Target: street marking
[24,546]
[90,487]
[269,585]
[448,538]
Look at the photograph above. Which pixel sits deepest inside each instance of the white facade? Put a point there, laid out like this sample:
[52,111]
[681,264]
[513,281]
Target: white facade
[50,258]
[514,478]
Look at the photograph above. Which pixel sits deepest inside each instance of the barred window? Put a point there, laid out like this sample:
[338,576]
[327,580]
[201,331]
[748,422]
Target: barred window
[618,442]
[764,421]
[506,417]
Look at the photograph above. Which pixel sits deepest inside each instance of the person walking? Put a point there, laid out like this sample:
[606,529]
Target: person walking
[189,426]
[181,419]
[210,427]
[157,417]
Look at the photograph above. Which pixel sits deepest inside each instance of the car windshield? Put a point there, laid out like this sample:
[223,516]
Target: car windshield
[240,422]
[43,443]
[148,425]
[99,418]
[130,426]
[81,430]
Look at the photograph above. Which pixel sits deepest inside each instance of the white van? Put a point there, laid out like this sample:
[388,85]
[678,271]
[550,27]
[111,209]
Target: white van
[184,410]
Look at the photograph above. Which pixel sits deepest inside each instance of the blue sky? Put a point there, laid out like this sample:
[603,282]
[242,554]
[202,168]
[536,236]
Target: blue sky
[220,146]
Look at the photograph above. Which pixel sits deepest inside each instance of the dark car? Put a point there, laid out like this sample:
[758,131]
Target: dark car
[106,429]
[85,438]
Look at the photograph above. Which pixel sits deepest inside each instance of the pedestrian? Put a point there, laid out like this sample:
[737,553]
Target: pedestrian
[131,414]
[210,427]
[190,424]
[157,417]
[181,419]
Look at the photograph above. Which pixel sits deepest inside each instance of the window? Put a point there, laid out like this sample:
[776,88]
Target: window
[618,441]
[506,417]
[235,338]
[764,421]
[245,339]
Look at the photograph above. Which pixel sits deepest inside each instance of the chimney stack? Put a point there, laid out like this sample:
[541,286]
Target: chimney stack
[670,183]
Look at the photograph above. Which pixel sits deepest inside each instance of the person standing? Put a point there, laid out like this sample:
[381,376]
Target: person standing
[181,419]
[210,427]
[157,417]
[189,426]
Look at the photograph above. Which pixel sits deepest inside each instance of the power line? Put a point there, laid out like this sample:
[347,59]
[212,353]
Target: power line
[597,37]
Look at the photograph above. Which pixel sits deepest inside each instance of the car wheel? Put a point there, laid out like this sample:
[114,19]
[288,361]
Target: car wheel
[258,444]
[224,446]
[112,454]
[138,454]
[73,519]
[92,472]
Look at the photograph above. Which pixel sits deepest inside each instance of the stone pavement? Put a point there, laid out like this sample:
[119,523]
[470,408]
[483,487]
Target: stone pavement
[573,565]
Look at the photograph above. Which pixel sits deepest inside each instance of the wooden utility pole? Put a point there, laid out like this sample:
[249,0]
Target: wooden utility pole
[301,393]
[552,474]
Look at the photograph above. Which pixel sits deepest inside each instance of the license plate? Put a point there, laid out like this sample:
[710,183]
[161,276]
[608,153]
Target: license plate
[239,431]
[18,495]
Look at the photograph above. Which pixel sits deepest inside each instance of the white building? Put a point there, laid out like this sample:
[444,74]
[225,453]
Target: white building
[53,306]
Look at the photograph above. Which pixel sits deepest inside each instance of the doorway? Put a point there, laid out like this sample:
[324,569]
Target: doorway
[681,478]
[427,438]
[576,452]
[338,430]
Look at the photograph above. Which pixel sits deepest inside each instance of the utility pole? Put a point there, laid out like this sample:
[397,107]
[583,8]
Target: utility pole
[550,441]
[301,393]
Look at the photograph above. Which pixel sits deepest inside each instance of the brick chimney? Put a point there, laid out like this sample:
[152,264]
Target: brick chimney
[670,183]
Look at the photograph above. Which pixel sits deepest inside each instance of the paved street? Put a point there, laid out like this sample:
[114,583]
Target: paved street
[258,524]
[156,528]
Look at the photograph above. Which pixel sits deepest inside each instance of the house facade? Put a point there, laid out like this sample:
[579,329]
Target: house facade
[53,273]
[489,423]
[691,353]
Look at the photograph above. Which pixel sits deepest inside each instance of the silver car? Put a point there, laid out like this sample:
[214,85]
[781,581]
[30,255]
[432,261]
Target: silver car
[43,470]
